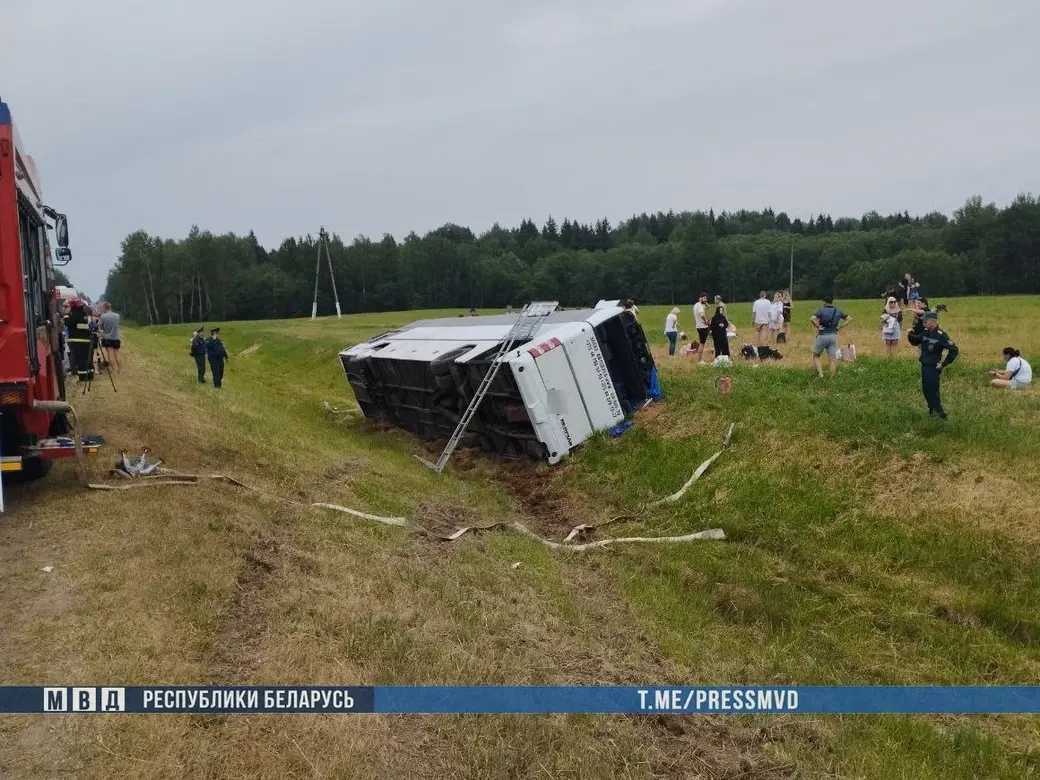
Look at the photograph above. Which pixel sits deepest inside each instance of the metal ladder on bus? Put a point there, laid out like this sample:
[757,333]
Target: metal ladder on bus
[531,317]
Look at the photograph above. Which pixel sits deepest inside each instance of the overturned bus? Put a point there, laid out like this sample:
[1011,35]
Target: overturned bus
[582,371]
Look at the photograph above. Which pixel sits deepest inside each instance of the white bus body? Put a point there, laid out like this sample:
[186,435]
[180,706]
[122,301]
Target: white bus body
[583,372]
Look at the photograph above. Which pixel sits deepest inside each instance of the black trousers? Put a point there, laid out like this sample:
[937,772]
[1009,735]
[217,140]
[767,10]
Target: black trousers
[200,363]
[81,352]
[721,344]
[216,366]
[930,388]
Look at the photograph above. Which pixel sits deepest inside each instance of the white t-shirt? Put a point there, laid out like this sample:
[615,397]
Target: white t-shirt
[762,309]
[1025,371]
[671,323]
[698,315]
[776,315]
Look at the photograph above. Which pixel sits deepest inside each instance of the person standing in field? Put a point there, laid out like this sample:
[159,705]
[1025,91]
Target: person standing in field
[761,312]
[217,354]
[827,321]
[933,341]
[890,330]
[776,318]
[108,324]
[786,299]
[671,329]
[1016,375]
[198,352]
[720,303]
[719,331]
[700,322]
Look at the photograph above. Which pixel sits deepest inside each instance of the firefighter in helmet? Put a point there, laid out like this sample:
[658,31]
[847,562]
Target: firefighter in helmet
[81,340]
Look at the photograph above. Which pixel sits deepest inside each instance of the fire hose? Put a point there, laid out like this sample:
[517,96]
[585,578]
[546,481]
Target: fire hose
[64,407]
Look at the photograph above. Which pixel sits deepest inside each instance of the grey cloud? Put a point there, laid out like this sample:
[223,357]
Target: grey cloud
[372,117]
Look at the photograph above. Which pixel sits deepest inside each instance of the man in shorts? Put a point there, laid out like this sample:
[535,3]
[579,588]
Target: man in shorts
[761,312]
[700,321]
[108,324]
[827,321]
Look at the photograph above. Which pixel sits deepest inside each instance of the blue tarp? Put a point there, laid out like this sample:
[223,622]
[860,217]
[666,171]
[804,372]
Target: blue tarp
[620,428]
[655,385]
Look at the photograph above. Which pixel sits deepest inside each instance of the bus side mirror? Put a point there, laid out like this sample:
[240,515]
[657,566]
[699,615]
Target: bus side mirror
[61,231]
[63,255]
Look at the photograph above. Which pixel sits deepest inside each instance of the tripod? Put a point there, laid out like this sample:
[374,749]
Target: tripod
[102,364]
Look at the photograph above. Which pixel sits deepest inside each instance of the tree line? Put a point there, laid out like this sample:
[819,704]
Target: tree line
[653,258]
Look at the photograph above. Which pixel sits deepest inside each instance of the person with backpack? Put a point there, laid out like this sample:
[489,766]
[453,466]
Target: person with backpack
[198,351]
[1017,374]
[827,321]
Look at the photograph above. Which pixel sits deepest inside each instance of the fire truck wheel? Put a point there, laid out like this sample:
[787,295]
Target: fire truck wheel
[32,470]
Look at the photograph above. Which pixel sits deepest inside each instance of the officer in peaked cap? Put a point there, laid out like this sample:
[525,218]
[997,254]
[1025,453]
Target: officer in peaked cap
[198,352]
[217,354]
[933,341]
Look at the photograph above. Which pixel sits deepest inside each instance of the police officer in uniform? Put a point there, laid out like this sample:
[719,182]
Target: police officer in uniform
[927,335]
[217,355]
[198,351]
[81,340]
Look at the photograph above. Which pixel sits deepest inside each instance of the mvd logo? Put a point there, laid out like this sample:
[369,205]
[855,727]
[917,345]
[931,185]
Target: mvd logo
[84,699]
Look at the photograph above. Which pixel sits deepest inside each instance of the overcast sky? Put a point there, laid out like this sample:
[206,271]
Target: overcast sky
[372,117]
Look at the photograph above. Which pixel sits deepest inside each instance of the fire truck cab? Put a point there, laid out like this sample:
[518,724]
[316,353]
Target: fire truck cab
[34,422]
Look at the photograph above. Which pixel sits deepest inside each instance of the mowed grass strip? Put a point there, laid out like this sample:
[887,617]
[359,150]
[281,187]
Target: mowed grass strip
[865,545]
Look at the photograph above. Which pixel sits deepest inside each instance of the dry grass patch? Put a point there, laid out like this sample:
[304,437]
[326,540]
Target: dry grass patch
[980,494]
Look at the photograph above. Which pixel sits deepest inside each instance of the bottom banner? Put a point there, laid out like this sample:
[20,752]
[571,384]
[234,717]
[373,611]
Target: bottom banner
[447,700]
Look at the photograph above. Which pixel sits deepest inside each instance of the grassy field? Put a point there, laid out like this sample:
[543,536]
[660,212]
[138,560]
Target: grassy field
[866,544]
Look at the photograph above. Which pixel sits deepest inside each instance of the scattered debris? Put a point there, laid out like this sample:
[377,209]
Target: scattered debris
[330,409]
[47,569]
[620,428]
[139,467]
[515,566]
[582,531]
[400,522]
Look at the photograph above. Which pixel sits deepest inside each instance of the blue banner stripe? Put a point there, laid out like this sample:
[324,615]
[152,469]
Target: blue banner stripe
[522,699]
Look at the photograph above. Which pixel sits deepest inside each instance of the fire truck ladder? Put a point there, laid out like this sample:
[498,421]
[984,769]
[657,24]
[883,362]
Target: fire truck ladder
[530,319]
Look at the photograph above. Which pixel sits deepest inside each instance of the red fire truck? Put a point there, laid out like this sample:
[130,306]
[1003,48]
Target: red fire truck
[35,424]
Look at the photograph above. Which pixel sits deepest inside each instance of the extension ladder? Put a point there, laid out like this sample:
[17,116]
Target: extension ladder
[530,319]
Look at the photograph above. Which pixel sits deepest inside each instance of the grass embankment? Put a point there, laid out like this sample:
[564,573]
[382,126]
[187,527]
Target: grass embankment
[866,544]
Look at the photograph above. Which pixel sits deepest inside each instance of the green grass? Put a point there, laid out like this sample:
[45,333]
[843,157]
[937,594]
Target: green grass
[866,543]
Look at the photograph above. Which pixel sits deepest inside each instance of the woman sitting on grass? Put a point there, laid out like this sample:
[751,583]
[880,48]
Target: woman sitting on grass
[1016,375]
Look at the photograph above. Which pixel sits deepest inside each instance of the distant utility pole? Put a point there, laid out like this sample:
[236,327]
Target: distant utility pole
[790,284]
[323,242]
